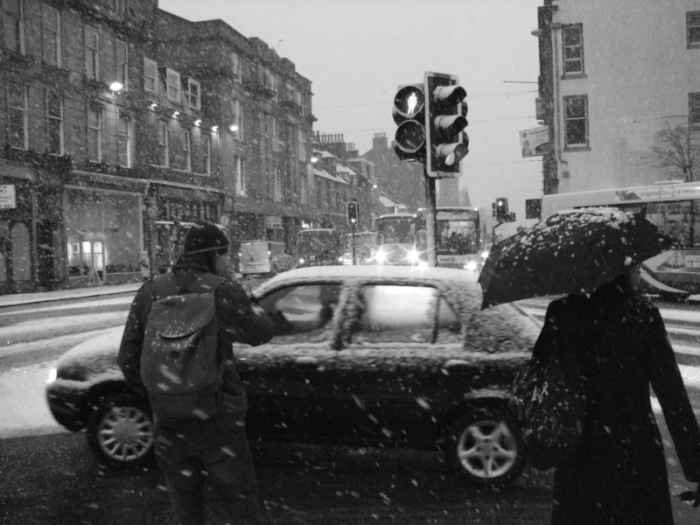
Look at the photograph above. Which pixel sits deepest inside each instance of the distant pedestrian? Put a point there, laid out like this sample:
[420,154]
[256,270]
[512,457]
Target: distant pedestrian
[618,475]
[210,443]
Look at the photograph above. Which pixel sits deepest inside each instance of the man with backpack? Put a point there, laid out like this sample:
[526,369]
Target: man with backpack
[177,350]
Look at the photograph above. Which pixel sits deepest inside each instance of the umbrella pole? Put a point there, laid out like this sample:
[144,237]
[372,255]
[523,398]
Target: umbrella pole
[430,222]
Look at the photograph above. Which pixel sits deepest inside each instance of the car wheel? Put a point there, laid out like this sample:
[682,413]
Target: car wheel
[483,447]
[120,432]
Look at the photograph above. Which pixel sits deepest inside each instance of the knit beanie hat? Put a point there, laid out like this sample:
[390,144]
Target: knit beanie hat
[204,236]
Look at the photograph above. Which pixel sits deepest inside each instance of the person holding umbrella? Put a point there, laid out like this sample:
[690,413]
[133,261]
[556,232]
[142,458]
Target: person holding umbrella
[618,474]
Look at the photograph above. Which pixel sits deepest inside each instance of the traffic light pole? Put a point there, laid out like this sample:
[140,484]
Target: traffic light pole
[354,262]
[430,222]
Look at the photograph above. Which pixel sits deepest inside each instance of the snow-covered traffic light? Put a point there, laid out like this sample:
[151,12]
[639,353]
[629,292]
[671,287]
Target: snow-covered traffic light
[409,142]
[445,120]
[353,213]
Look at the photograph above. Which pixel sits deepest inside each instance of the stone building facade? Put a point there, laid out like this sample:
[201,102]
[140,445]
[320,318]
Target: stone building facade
[99,181]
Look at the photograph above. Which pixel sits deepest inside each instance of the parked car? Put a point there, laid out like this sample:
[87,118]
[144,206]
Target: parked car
[264,257]
[363,355]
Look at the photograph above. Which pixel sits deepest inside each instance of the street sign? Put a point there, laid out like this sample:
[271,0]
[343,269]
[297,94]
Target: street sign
[8,200]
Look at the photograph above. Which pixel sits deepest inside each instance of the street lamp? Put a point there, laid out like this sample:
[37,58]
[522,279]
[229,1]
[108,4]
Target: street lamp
[233,127]
[116,87]
[314,159]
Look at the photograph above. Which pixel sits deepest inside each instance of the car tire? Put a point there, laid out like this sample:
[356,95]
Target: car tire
[121,432]
[483,447]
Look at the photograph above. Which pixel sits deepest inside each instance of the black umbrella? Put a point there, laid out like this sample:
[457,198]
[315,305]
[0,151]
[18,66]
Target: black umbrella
[569,252]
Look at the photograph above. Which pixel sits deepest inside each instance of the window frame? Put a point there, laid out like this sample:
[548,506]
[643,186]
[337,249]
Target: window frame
[92,55]
[17,27]
[240,175]
[564,47]
[171,83]
[56,59]
[147,65]
[125,117]
[187,148]
[97,130]
[206,154]
[569,146]
[121,67]
[692,22]
[238,118]
[53,120]
[163,144]
[25,115]
[694,109]
[191,82]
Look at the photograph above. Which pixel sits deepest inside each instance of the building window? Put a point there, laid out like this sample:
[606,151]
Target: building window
[278,185]
[94,134]
[694,109]
[124,141]
[122,62]
[187,149]
[173,81]
[238,119]
[54,123]
[13,26]
[303,190]
[240,176]
[236,66]
[692,28]
[52,36]
[576,121]
[92,53]
[150,75]
[573,49]
[163,143]
[300,144]
[206,154]
[275,135]
[17,103]
[194,95]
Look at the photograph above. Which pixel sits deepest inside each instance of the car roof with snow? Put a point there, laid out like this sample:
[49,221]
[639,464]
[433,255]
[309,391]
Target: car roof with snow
[367,272]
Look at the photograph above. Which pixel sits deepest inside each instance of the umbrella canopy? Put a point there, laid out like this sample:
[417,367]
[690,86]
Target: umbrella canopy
[569,252]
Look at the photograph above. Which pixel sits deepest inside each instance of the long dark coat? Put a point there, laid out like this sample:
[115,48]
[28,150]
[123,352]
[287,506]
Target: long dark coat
[619,473]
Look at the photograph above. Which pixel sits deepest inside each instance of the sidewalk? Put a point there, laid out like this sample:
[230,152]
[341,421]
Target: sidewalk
[75,293]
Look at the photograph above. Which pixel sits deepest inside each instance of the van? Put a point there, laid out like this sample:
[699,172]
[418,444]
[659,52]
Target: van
[261,256]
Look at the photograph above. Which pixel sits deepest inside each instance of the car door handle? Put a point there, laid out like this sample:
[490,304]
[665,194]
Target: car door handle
[306,363]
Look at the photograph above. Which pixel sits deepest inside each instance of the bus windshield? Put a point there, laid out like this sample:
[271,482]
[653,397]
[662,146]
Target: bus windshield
[456,237]
[399,230]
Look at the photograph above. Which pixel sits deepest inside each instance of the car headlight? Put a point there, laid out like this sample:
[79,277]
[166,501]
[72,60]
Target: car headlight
[471,266]
[413,256]
[53,373]
[301,261]
[380,256]
[484,254]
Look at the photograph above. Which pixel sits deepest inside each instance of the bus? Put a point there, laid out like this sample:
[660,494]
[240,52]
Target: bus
[673,207]
[400,240]
[458,238]
[318,247]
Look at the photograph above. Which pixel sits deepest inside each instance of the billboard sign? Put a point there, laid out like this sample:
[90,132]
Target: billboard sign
[535,141]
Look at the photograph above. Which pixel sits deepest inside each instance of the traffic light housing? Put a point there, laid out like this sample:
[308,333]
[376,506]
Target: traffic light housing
[445,120]
[353,213]
[409,114]
[502,209]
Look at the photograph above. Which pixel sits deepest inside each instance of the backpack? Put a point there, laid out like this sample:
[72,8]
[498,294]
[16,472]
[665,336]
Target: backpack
[180,367]
[550,401]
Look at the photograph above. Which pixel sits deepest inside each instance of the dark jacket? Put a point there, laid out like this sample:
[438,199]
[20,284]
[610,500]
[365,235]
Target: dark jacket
[239,320]
[619,473]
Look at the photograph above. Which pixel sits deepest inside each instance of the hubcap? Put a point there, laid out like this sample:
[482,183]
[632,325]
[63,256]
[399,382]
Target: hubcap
[487,449]
[125,434]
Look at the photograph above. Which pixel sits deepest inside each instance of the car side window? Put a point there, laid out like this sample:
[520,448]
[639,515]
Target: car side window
[301,311]
[389,313]
[448,324]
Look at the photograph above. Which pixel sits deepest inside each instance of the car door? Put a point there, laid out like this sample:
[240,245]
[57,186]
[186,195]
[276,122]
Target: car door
[395,384]
[288,380]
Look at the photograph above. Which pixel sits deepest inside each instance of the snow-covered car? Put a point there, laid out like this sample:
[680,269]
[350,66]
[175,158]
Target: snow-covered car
[363,355]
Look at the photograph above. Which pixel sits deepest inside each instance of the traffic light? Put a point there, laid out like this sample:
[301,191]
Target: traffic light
[445,120]
[353,213]
[408,113]
[502,209]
